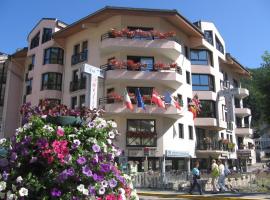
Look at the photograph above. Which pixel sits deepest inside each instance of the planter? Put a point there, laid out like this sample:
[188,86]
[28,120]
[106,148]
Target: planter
[65,120]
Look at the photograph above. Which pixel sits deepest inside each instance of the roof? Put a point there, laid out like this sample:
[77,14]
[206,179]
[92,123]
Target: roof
[44,18]
[171,15]
[236,63]
[1,53]
[20,53]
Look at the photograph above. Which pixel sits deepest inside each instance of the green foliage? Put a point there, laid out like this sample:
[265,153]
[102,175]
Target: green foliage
[259,92]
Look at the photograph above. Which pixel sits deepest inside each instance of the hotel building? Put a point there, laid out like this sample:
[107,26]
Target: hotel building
[147,49]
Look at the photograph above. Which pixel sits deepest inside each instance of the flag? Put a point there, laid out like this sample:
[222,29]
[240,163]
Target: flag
[140,102]
[127,100]
[193,110]
[157,100]
[170,100]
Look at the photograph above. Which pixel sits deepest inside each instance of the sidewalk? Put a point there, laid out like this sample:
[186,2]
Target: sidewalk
[147,194]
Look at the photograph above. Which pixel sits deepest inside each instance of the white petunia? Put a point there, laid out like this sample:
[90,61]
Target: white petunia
[11,196]
[109,141]
[48,128]
[3,140]
[104,183]
[23,192]
[85,191]
[101,191]
[111,135]
[19,179]
[3,185]
[80,188]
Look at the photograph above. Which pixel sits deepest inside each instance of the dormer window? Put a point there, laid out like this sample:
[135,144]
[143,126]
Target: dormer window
[35,41]
[47,35]
[208,36]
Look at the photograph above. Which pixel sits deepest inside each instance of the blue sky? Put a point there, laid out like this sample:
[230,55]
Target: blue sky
[244,24]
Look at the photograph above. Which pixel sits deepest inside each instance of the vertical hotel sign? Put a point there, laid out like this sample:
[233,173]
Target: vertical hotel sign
[93,73]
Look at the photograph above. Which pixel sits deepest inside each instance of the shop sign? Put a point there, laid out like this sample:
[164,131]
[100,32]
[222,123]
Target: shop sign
[135,153]
[173,153]
[243,154]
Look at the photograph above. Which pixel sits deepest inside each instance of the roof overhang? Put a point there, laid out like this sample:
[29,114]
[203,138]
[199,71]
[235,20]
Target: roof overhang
[170,15]
[235,66]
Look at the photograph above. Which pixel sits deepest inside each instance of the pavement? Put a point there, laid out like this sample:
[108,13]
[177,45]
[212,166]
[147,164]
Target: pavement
[159,194]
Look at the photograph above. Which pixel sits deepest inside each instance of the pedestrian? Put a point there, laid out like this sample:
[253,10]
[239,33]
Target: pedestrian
[195,178]
[214,175]
[221,178]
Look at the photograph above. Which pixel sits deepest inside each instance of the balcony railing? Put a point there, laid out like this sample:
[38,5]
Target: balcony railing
[143,67]
[140,35]
[214,146]
[78,58]
[79,84]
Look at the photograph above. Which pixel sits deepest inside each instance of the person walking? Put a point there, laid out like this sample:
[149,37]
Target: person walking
[214,175]
[221,178]
[196,176]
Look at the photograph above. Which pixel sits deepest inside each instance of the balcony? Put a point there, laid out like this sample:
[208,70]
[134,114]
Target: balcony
[78,58]
[118,107]
[168,76]
[167,46]
[213,148]
[240,93]
[210,123]
[79,84]
[242,112]
[243,130]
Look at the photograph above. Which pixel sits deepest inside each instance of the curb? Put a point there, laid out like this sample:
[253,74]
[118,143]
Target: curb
[186,196]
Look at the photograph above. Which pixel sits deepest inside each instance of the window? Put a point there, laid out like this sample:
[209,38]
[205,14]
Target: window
[180,99]
[222,135]
[231,139]
[186,52]
[146,93]
[84,46]
[28,86]
[51,81]
[219,46]
[73,102]
[200,57]
[32,64]
[78,56]
[190,131]
[141,132]
[203,82]
[208,36]
[181,130]
[188,100]
[82,101]
[149,61]
[237,103]
[235,83]
[35,41]
[53,55]
[188,77]
[208,109]
[47,35]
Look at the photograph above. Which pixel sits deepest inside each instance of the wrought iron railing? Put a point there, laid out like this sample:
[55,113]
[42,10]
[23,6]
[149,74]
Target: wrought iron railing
[79,84]
[80,57]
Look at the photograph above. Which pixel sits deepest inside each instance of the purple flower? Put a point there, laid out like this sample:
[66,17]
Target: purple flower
[70,171]
[86,171]
[42,143]
[75,144]
[81,160]
[96,148]
[95,159]
[13,156]
[112,183]
[92,190]
[5,175]
[98,178]
[105,168]
[55,192]
[3,162]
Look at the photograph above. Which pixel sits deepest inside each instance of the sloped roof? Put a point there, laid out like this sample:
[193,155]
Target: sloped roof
[171,15]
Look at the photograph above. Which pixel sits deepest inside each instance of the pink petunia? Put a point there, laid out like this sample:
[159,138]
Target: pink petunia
[60,131]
